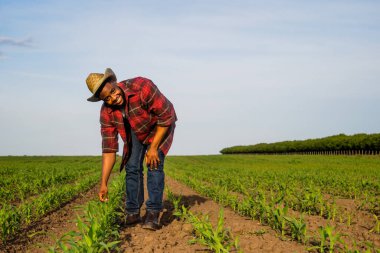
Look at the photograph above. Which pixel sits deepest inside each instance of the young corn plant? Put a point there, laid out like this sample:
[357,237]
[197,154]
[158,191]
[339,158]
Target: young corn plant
[356,249]
[217,239]
[247,207]
[26,210]
[370,203]
[175,201]
[376,228]
[297,228]
[330,237]
[263,209]
[348,222]
[331,211]
[311,200]
[278,218]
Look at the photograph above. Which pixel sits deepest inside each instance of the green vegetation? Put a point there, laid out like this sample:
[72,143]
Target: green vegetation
[337,144]
[33,186]
[218,239]
[98,229]
[328,234]
[266,188]
[283,192]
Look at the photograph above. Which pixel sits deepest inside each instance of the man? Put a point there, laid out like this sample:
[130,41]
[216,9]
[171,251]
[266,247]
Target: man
[145,119]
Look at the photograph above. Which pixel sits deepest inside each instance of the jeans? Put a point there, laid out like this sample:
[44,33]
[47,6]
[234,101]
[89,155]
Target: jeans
[135,180]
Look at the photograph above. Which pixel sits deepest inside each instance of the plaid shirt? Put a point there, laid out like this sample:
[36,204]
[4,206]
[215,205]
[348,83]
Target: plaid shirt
[145,108]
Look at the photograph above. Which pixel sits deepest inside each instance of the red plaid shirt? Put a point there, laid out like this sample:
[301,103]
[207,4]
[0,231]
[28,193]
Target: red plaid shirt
[145,108]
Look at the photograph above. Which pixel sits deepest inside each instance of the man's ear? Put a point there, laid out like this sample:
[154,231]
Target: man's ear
[97,94]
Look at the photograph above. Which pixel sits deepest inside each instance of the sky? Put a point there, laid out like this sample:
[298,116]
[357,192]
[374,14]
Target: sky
[238,72]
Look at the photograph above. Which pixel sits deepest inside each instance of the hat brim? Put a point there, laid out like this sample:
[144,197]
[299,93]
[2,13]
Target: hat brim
[108,75]
[93,98]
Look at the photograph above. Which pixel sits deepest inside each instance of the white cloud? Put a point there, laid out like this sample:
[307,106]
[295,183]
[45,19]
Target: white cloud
[8,41]
[16,42]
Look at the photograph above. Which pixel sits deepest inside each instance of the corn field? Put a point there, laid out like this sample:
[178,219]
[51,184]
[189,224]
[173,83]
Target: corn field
[323,202]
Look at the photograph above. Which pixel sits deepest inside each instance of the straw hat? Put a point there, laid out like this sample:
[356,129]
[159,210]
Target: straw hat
[95,80]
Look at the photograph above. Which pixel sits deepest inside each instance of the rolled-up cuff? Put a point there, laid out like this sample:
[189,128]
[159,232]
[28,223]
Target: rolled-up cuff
[166,121]
[110,150]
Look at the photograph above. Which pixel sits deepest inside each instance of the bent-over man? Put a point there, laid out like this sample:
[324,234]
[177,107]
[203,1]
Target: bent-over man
[145,119]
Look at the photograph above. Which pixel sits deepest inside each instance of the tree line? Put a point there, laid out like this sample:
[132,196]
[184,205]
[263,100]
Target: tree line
[334,145]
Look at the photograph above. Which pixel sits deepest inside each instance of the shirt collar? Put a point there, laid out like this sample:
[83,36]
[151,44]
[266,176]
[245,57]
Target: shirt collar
[125,87]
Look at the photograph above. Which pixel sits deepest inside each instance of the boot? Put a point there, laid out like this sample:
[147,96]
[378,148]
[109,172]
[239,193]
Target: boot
[132,218]
[151,220]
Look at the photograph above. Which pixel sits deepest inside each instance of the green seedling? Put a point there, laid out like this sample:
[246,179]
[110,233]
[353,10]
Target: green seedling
[330,237]
[279,221]
[217,239]
[376,228]
[175,201]
[297,228]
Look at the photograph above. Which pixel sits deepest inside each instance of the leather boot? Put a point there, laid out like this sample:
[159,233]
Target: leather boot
[132,218]
[151,220]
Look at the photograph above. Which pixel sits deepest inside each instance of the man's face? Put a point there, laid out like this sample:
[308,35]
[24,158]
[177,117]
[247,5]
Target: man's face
[112,95]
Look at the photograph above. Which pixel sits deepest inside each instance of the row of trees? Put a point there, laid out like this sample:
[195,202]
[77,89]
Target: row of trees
[336,144]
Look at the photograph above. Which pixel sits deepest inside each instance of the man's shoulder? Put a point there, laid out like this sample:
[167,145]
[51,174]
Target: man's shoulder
[137,83]
[138,79]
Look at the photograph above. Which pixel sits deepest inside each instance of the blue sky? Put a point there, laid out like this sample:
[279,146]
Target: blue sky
[237,72]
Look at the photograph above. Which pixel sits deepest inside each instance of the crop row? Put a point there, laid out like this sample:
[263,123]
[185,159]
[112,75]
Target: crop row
[13,219]
[98,227]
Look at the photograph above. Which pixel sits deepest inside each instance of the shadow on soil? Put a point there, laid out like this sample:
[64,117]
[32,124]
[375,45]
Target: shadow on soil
[167,217]
[188,201]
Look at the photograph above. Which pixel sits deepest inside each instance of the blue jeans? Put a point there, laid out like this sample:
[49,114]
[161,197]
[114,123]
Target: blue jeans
[135,180]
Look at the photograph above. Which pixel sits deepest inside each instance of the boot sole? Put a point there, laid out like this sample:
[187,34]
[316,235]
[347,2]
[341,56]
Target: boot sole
[151,227]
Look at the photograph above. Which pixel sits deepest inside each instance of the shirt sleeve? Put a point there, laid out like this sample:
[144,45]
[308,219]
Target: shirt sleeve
[157,104]
[109,132]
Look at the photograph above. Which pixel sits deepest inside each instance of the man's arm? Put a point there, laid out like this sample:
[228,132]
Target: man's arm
[109,147]
[151,156]
[157,104]
[108,161]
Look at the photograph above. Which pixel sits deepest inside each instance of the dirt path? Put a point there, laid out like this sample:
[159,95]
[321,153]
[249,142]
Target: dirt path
[174,235]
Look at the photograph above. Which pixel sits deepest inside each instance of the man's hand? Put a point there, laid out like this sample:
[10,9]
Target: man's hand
[103,193]
[151,158]
[108,161]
